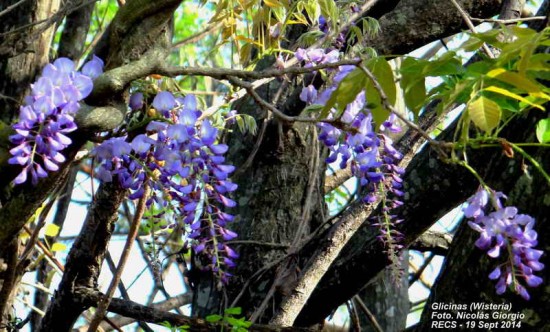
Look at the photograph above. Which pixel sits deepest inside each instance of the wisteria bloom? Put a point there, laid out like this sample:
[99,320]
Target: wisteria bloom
[46,117]
[369,153]
[506,233]
[183,163]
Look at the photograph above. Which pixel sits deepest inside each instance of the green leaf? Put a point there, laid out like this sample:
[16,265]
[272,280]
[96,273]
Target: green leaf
[371,26]
[345,93]
[379,113]
[51,230]
[448,64]
[515,79]
[309,38]
[543,131]
[213,318]
[383,72]
[241,124]
[233,321]
[329,11]
[485,113]
[233,311]
[527,40]
[512,95]
[413,84]
[58,247]
[490,37]
[313,108]
[313,10]
[472,44]
[539,62]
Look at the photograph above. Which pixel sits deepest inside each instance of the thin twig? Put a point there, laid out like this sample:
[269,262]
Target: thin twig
[337,179]
[59,266]
[60,14]
[418,272]
[132,233]
[45,250]
[198,36]
[470,25]
[34,237]
[312,181]
[267,106]
[354,317]
[225,73]
[368,313]
[12,7]
[509,21]
[261,134]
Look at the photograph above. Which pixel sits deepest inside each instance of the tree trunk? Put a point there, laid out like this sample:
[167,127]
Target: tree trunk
[273,190]
[387,298]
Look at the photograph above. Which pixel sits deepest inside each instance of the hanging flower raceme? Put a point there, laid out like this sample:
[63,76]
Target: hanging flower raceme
[185,166]
[370,153]
[47,117]
[505,233]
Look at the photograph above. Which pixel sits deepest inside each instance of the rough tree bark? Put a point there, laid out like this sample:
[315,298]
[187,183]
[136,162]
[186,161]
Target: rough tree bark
[260,224]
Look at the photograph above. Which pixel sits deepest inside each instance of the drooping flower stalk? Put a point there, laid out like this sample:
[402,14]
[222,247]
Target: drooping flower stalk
[507,234]
[46,117]
[187,173]
[370,153]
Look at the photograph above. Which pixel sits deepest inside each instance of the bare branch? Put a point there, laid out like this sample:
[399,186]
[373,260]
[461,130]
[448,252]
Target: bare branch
[132,233]
[418,272]
[368,313]
[12,7]
[337,179]
[225,73]
[198,36]
[510,21]
[470,25]
[90,297]
[167,305]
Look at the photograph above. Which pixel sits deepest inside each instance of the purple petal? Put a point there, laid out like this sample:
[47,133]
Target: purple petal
[164,101]
[84,85]
[136,101]
[227,201]
[22,177]
[64,65]
[208,133]
[495,274]
[93,68]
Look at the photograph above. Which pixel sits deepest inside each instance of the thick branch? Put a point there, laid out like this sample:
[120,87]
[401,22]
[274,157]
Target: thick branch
[337,179]
[225,73]
[89,297]
[85,258]
[166,305]
[425,21]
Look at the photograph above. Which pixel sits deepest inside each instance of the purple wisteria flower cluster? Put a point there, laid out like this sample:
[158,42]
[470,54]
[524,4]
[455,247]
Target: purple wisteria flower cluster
[180,159]
[47,116]
[504,231]
[370,153]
